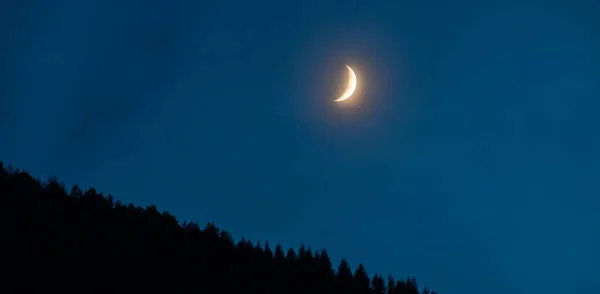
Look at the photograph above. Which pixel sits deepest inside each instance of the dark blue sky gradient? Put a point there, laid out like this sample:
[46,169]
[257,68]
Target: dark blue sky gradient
[471,158]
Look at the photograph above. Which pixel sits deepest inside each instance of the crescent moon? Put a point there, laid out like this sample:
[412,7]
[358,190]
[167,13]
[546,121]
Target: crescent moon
[350,87]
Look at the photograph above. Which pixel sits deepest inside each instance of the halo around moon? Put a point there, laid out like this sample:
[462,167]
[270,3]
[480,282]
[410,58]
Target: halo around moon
[350,87]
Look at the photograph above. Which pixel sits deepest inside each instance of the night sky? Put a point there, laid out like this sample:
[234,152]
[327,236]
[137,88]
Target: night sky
[470,156]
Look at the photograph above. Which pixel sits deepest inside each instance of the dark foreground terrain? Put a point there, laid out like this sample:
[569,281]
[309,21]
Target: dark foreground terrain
[85,242]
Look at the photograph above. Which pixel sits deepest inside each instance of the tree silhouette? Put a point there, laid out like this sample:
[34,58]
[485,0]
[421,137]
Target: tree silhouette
[391,285]
[106,246]
[344,279]
[378,284]
[361,280]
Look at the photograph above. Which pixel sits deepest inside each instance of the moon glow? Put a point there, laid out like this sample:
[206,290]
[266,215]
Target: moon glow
[350,87]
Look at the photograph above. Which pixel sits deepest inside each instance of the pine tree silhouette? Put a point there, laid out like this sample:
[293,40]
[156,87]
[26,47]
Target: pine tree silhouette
[361,280]
[378,285]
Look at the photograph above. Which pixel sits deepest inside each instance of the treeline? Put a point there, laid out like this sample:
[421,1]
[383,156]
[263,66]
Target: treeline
[85,242]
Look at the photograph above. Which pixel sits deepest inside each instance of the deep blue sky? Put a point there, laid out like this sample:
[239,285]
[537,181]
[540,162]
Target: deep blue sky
[471,162]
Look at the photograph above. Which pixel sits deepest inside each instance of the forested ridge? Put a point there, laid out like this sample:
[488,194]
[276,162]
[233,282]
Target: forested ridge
[85,242]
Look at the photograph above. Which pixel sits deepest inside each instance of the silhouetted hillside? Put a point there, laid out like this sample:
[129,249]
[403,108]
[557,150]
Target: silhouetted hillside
[84,242]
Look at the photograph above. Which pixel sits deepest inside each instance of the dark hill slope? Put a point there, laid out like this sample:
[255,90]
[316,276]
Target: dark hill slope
[85,242]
